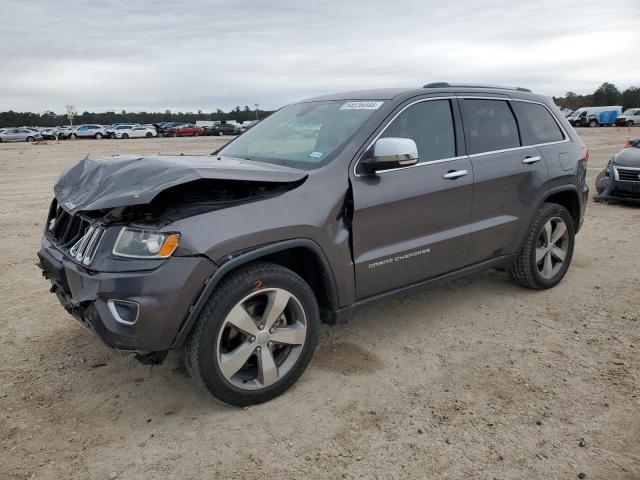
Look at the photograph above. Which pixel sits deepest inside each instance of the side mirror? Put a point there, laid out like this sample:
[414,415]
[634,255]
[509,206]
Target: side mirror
[391,153]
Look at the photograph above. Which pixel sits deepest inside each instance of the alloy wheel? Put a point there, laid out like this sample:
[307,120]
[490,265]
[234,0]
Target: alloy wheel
[552,248]
[261,339]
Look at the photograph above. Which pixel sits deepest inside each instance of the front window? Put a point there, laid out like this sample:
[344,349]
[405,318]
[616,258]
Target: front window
[303,135]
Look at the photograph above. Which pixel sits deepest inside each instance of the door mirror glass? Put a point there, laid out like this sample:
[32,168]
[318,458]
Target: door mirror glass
[390,153]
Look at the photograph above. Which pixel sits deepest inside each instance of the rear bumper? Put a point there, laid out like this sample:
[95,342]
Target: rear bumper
[164,297]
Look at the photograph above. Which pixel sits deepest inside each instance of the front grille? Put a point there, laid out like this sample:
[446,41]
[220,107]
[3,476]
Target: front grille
[628,175]
[78,235]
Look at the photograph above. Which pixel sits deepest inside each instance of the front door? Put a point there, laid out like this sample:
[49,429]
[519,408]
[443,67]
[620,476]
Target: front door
[412,223]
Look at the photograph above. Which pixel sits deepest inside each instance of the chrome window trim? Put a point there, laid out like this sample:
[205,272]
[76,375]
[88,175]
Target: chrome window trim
[566,139]
[419,164]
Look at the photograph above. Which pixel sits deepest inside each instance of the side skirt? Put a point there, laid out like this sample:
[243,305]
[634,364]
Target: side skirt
[344,314]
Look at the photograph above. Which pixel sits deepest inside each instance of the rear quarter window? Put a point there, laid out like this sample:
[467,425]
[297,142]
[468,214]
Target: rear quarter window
[489,125]
[537,124]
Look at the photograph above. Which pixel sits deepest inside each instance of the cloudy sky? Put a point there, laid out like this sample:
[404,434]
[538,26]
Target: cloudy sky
[191,54]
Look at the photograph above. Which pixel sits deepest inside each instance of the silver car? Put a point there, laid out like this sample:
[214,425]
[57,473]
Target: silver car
[88,131]
[19,135]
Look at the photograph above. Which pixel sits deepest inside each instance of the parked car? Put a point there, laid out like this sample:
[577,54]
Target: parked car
[162,127]
[19,135]
[629,118]
[111,131]
[113,127]
[184,130]
[60,133]
[594,116]
[620,180]
[223,129]
[235,259]
[88,131]
[135,132]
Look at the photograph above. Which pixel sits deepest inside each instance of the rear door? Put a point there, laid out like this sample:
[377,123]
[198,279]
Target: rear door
[412,223]
[507,177]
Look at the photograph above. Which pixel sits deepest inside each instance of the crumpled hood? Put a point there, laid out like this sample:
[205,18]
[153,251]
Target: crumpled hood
[629,157]
[120,181]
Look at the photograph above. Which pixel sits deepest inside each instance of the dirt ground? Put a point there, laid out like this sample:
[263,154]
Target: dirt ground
[475,379]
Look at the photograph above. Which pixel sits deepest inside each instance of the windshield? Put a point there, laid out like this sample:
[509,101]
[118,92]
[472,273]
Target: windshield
[303,135]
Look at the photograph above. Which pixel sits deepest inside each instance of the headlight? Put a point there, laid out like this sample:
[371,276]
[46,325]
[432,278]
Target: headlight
[134,243]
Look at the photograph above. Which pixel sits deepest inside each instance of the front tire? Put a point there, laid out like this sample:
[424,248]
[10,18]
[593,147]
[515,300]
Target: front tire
[602,181]
[98,136]
[546,252]
[593,123]
[30,139]
[255,336]
[73,136]
[125,136]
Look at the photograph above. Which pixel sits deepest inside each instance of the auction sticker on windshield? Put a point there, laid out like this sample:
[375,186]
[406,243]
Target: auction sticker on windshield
[361,106]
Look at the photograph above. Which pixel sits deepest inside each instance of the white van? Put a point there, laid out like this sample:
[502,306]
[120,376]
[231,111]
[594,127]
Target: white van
[588,116]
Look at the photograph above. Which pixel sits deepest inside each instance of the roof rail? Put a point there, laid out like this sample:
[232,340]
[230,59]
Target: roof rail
[470,85]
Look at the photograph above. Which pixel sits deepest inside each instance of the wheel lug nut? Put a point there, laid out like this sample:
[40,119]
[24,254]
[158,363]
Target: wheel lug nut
[252,339]
[260,327]
[258,349]
[270,344]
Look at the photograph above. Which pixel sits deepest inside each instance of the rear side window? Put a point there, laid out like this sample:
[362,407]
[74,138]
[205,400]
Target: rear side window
[537,125]
[489,125]
[430,125]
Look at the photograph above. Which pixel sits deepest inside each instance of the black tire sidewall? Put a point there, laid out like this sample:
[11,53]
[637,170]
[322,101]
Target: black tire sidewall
[236,289]
[551,211]
[599,180]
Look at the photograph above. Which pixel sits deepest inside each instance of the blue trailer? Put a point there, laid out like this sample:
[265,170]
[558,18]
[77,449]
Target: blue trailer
[607,118]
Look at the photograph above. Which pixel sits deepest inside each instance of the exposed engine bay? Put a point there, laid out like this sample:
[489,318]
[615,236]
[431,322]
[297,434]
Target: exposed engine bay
[194,198]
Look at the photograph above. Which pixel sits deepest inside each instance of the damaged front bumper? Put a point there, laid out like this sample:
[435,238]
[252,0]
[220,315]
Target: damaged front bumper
[622,184]
[135,311]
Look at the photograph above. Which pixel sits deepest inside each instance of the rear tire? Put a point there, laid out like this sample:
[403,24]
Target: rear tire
[630,123]
[543,259]
[125,136]
[30,139]
[257,364]
[73,136]
[149,135]
[98,136]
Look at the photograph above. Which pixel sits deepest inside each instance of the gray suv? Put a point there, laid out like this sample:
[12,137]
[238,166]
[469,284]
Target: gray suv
[329,204]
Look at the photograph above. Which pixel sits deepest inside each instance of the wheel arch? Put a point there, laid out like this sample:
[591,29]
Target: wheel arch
[568,197]
[303,256]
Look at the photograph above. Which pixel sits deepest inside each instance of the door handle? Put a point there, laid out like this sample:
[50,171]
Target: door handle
[452,175]
[529,159]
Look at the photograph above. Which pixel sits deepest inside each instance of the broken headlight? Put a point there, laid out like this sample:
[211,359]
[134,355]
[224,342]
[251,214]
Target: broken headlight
[133,243]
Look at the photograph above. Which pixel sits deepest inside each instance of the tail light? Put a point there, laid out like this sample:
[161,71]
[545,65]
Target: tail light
[585,154]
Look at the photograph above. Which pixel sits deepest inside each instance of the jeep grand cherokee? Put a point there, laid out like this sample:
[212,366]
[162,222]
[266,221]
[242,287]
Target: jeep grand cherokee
[328,204]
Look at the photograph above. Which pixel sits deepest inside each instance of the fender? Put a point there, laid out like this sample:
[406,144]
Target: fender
[250,256]
[567,188]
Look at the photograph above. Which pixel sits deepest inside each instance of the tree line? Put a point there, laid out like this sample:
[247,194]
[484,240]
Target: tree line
[51,119]
[605,94]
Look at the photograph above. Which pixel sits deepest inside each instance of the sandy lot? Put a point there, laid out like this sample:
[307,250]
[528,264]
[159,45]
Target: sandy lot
[475,379]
